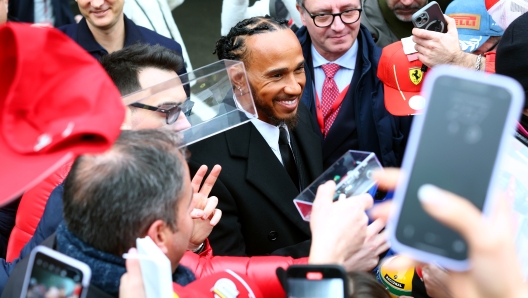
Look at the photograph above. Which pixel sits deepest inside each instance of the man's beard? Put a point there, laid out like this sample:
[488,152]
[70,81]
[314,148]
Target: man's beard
[268,111]
[405,18]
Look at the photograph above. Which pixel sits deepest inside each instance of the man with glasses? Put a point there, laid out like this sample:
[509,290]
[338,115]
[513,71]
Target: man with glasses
[131,69]
[343,93]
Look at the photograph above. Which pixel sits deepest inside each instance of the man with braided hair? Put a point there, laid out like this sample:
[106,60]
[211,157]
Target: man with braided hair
[266,162]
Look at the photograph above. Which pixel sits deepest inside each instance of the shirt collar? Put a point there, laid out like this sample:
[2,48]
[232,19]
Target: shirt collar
[348,60]
[269,132]
[87,41]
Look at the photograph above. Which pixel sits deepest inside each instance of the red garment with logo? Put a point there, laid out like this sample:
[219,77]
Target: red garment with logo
[260,270]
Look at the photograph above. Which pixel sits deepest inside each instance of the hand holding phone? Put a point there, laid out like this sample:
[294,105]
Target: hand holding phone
[430,17]
[457,145]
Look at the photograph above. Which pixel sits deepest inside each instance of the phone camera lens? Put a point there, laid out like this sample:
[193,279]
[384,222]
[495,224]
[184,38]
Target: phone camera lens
[419,19]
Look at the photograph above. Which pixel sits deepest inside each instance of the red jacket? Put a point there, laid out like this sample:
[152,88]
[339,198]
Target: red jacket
[260,270]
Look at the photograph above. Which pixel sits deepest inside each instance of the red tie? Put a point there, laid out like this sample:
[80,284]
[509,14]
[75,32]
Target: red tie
[329,94]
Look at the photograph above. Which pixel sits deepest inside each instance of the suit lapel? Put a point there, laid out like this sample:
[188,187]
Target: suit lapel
[266,173]
[308,148]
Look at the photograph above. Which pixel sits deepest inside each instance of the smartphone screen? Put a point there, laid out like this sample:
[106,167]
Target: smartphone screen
[306,288]
[456,151]
[53,278]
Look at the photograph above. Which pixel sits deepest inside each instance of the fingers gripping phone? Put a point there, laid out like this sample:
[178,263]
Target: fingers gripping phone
[457,145]
[52,274]
[430,17]
[306,281]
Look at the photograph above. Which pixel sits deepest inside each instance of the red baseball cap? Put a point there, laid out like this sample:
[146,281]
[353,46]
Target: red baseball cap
[402,79]
[56,102]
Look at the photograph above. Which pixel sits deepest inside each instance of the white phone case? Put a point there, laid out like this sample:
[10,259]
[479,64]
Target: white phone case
[514,110]
[86,271]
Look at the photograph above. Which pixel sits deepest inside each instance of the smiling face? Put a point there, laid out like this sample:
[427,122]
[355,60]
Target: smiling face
[275,69]
[147,119]
[101,14]
[404,9]
[334,41]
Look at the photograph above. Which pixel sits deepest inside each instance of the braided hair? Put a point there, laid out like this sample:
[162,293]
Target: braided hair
[233,45]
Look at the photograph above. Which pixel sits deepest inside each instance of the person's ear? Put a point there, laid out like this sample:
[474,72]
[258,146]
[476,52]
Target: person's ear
[158,232]
[238,78]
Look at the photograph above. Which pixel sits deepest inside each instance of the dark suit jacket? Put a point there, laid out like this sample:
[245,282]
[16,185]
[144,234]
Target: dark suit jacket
[24,11]
[255,192]
[363,123]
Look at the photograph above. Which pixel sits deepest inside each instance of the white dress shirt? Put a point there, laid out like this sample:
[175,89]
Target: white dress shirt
[343,77]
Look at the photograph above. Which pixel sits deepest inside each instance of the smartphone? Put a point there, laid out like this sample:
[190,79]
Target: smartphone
[52,274]
[307,281]
[456,144]
[430,17]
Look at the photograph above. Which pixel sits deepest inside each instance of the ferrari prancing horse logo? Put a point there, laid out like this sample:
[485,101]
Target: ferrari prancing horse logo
[416,75]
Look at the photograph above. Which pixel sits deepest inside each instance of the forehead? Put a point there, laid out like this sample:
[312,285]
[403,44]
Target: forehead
[273,49]
[329,4]
[151,76]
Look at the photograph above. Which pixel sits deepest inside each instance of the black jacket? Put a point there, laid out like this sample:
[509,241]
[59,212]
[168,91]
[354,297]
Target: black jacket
[363,123]
[255,192]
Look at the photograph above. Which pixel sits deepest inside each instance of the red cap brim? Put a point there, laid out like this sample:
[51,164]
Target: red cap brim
[26,171]
[403,103]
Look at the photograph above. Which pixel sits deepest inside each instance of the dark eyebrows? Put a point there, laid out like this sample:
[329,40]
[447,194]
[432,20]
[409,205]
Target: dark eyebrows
[329,11]
[281,70]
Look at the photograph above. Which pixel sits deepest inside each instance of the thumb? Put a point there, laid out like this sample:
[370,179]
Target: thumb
[132,264]
[325,194]
[451,210]
[451,25]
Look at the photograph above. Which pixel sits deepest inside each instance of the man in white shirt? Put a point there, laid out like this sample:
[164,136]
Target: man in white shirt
[266,163]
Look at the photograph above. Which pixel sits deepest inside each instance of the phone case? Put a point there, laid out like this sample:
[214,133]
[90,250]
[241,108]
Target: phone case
[330,271]
[514,110]
[430,17]
[86,271]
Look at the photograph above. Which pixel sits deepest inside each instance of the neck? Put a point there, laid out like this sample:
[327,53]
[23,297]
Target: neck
[112,38]
[331,56]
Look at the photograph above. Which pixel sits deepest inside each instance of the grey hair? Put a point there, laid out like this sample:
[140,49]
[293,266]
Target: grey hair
[111,199]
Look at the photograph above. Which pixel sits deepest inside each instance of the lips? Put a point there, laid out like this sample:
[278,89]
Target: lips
[100,13]
[288,104]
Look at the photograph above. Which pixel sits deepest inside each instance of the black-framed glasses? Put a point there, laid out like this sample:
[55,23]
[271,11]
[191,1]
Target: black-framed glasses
[323,20]
[171,111]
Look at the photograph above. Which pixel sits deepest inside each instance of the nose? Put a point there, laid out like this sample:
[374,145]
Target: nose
[295,84]
[407,2]
[338,25]
[182,123]
[97,3]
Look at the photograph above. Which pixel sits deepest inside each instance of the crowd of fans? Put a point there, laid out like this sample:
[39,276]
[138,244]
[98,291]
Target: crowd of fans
[224,204]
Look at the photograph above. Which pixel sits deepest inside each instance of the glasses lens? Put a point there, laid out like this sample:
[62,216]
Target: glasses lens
[350,16]
[173,114]
[323,20]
